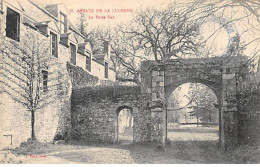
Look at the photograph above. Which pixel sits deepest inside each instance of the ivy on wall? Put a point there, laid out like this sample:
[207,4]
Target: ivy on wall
[80,77]
[248,97]
[86,95]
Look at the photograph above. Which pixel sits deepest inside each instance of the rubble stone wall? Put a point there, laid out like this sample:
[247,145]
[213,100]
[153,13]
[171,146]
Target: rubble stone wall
[98,120]
[249,116]
[50,120]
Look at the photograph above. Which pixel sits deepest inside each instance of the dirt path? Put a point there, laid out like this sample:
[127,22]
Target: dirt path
[186,146]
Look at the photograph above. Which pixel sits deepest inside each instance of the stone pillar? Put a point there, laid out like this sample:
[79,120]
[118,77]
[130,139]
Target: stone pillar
[158,127]
[229,112]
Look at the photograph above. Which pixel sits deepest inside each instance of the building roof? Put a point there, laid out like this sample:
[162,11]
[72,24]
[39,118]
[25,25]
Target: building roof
[36,13]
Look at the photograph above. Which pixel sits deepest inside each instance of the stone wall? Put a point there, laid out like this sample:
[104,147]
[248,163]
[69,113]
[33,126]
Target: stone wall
[249,128]
[220,74]
[98,69]
[54,116]
[15,123]
[249,115]
[94,118]
[81,60]
[95,123]
[49,121]
[95,109]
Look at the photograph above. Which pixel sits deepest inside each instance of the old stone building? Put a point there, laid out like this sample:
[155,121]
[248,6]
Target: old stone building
[52,36]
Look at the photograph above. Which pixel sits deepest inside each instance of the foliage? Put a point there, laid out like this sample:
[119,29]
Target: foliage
[173,108]
[248,97]
[202,106]
[86,95]
[173,101]
[80,77]
[30,147]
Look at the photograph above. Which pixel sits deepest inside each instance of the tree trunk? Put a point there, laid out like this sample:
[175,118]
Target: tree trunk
[210,117]
[197,113]
[32,125]
[197,119]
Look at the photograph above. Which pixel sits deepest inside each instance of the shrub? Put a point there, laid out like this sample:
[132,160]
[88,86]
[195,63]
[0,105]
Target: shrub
[86,95]
[29,147]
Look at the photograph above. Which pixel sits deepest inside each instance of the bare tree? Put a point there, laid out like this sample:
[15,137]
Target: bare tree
[126,53]
[250,7]
[202,105]
[167,33]
[82,24]
[29,74]
[129,55]
[244,16]
[175,31]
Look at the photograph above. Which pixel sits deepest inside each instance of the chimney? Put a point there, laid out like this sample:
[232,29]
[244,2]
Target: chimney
[53,9]
[107,48]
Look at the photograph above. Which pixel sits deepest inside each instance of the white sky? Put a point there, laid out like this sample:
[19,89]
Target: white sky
[107,4]
[221,41]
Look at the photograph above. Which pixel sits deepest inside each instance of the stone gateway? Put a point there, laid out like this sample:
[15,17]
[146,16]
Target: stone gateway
[98,121]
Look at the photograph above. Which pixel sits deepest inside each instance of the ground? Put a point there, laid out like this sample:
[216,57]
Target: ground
[188,144]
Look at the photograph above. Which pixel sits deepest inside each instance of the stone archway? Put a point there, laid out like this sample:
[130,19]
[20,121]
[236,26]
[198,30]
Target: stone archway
[214,88]
[219,73]
[118,110]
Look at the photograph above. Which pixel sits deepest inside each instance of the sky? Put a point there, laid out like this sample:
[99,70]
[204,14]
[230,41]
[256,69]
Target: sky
[91,6]
[124,17]
[106,5]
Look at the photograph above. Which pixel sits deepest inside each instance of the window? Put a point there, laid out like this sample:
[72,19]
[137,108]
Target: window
[54,45]
[45,80]
[13,24]
[106,70]
[88,62]
[63,27]
[73,54]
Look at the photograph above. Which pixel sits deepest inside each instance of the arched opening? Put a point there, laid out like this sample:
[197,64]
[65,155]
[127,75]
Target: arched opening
[124,125]
[193,113]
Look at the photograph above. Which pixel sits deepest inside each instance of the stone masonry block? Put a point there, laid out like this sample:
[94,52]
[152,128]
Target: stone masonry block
[158,78]
[159,89]
[155,83]
[161,73]
[154,73]
[154,96]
